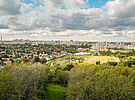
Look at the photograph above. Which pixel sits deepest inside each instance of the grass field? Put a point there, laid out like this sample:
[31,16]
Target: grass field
[55,92]
[88,60]
[102,59]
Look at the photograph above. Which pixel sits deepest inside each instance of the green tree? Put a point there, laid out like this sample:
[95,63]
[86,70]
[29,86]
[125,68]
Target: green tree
[12,60]
[97,62]
[33,78]
[61,77]
[10,88]
[43,60]
[36,59]
[120,65]
[69,67]
[25,59]
[0,58]
[101,83]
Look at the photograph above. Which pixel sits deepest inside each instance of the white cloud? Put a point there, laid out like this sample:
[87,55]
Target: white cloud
[11,7]
[121,8]
[117,23]
[75,4]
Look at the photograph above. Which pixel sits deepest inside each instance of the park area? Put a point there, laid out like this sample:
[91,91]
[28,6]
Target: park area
[86,59]
[102,59]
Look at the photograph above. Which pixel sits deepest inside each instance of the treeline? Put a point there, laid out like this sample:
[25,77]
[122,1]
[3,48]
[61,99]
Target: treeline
[117,54]
[123,63]
[81,82]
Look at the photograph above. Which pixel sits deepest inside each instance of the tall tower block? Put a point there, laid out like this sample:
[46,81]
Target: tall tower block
[1,38]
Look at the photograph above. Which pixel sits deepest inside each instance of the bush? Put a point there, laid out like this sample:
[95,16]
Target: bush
[69,67]
[97,62]
[43,60]
[36,59]
[112,63]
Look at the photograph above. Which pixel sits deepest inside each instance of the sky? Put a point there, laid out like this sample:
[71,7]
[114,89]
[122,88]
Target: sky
[79,20]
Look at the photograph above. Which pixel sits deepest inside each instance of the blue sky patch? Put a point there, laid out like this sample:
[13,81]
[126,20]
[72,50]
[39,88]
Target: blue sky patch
[63,7]
[96,3]
[30,2]
[26,1]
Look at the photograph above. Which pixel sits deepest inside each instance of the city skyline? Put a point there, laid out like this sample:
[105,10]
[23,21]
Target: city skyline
[78,20]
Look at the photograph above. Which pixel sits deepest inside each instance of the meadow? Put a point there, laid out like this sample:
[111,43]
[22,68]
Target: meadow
[102,59]
[86,59]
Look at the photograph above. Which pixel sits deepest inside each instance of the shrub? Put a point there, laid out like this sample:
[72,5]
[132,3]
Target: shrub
[69,67]
[97,62]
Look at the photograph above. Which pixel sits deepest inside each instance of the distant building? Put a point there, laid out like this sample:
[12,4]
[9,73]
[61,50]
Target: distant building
[123,51]
[20,41]
[100,46]
[71,42]
[117,43]
[131,47]
[83,49]
[26,41]
[57,43]
[133,43]
[83,53]
[63,42]
[34,43]
[122,43]
[1,40]
[93,50]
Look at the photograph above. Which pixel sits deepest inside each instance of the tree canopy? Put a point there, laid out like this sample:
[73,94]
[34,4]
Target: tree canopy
[101,83]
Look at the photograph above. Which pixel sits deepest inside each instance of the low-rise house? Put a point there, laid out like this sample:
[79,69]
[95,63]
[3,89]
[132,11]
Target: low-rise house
[35,55]
[96,53]
[52,64]
[92,50]
[7,62]
[83,49]
[32,60]
[47,58]
[131,47]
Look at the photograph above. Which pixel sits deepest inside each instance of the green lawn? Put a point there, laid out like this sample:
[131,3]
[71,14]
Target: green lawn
[55,92]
